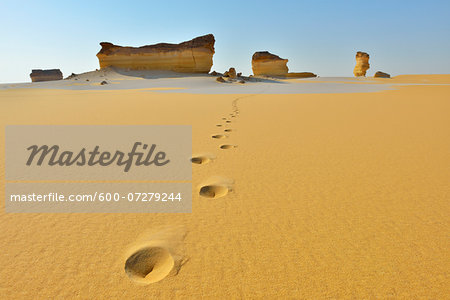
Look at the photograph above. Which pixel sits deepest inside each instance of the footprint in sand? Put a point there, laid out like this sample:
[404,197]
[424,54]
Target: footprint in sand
[202,159]
[228,121]
[216,188]
[219,125]
[226,147]
[228,130]
[149,264]
[155,255]
[219,136]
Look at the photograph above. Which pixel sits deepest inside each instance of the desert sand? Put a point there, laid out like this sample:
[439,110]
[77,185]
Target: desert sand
[323,188]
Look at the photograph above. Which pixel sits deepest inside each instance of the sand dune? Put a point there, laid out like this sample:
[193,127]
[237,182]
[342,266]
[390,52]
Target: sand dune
[326,188]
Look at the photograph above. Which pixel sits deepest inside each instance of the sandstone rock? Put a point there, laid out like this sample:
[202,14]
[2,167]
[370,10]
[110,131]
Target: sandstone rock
[268,64]
[301,75]
[194,56]
[380,74]
[239,74]
[362,64]
[265,63]
[231,73]
[46,75]
[214,73]
[220,79]
[103,82]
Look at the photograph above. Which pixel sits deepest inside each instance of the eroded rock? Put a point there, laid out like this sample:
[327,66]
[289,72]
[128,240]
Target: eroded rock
[194,56]
[380,74]
[265,63]
[268,64]
[46,75]
[231,73]
[362,64]
[300,75]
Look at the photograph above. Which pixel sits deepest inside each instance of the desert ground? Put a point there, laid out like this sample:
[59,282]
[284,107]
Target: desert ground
[336,188]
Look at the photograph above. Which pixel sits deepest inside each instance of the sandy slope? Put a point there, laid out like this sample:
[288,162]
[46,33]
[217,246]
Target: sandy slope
[334,196]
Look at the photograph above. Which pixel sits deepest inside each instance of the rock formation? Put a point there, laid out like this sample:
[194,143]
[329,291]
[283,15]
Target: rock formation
[230,73]
[265,63]
[71,76]
[194,56]
[214,73]
[380,74]
[301,75]
[268,64]
[362,64]
[46,75]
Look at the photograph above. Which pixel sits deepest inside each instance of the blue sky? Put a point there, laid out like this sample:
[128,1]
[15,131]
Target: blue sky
[402,37]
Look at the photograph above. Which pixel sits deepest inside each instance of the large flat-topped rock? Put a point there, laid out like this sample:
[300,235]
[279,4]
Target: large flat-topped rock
[194,56]
[268,64]
[45,75]
[265,63]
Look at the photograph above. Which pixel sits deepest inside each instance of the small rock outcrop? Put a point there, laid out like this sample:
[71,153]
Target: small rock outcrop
[301,75]
[362,64]
[71,76]
[380,74]
[231,76]
[265,63]
[45,75]
[214,73]
[194,56]
[230,73]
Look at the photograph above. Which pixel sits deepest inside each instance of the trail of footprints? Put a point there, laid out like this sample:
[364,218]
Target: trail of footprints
[218,187]
[154,260]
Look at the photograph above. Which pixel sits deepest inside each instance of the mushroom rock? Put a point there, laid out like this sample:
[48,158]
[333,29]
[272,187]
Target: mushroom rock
[380,74]
[45,75]
[362,64]
[267,64]
[194,56]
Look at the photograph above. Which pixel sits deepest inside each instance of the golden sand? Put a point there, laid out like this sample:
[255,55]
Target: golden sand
[318,196]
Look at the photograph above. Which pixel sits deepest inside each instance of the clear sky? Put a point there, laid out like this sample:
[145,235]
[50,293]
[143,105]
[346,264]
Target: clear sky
[402,37]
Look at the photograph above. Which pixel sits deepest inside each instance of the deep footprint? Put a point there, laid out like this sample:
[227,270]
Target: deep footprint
[200,160]
[227,146]
[219,136]
[149,265]
[228,130]
[214,191]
